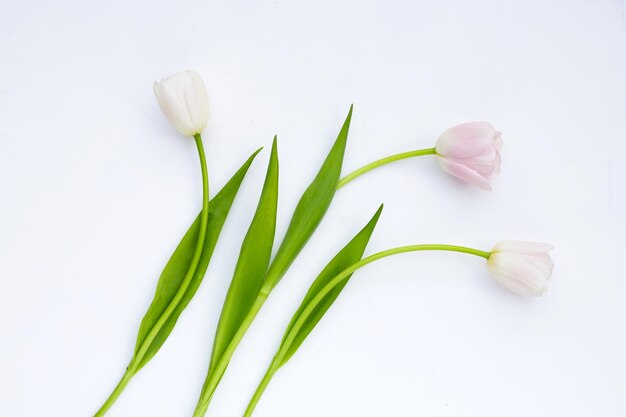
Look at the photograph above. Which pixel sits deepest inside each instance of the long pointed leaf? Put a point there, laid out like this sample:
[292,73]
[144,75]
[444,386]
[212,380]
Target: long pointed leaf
[350,254]
[310,209]
[254,258]
[306,217]
[321,295]
[175,269]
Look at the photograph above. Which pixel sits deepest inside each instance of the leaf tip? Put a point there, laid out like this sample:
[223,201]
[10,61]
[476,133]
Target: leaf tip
[377,214]
[275,146]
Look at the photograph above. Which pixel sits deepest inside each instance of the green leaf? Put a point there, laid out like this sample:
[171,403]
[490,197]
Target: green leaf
[350,254]
[306,217]
[322,294]
[176,268]
[310,209]
[254,259]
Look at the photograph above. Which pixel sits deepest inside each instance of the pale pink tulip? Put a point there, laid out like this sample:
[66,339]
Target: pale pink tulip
[471,152]
[522,267]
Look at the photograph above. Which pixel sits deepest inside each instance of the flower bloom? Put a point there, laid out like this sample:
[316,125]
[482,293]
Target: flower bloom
[522,267]
[184,101]
[471,152]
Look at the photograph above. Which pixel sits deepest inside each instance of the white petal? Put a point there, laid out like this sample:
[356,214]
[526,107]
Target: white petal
[515,273]
[521,288]
[173,107]
[184,101]
[522,247]
[197,101]
[542,261]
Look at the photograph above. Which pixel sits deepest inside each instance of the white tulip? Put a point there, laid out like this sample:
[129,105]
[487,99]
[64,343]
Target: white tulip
[522,267]
[184,101]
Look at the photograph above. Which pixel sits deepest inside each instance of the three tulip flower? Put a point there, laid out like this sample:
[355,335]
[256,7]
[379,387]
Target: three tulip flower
[469,152]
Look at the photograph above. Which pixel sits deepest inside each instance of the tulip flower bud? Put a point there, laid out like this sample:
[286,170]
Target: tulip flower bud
[471,152]
[184,101]
[522,267]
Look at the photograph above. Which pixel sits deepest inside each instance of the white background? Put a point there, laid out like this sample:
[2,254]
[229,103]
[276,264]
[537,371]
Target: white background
[96,189]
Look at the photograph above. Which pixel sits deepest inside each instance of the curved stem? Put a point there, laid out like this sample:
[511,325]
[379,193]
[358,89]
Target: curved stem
[136,361]
[319,297]
[365,261]
[383,161]
[217,370]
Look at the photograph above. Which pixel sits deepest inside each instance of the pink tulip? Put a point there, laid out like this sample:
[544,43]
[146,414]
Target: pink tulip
[471,152]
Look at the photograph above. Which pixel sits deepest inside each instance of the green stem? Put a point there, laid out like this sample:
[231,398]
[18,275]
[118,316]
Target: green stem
[321,295]
[116,393]
[383,161]
[136,361]
[261,388]
[217,370]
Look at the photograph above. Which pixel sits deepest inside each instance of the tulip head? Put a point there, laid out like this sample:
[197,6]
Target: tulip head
[184,101]
[522,267]
[471,152]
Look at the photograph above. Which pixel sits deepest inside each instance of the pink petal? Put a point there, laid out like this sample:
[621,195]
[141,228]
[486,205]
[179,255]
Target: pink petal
[496,164]
[464,173]
[465,140]
[497,141]
[484,163]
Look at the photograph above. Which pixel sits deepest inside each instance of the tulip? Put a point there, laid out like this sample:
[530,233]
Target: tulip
[471,152]
[184,101]
[522,267]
